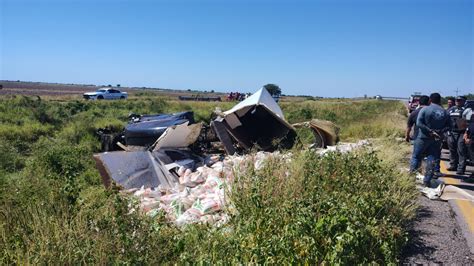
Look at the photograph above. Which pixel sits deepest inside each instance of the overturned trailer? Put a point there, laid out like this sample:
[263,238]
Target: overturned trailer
[257,122]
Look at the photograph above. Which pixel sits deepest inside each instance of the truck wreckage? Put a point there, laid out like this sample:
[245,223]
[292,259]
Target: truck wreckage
[178,166]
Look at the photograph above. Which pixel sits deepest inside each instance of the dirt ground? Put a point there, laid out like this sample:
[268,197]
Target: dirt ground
[58,89]
[436,238]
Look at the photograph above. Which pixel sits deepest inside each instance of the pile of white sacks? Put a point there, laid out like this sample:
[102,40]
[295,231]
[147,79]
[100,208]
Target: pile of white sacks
[203,195]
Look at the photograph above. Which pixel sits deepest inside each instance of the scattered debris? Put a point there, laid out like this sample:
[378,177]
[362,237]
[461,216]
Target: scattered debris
[144,130]
[179,136]
[345,147]
[159,165]
[256,122]
[326,133]
[438,190]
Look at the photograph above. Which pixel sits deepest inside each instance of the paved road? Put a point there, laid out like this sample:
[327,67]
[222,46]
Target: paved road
[464,209]
[442,232]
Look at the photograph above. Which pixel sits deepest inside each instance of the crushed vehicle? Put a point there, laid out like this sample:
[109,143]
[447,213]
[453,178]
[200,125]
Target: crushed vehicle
[144,130]
[255,122]
[176,165]
[105,94]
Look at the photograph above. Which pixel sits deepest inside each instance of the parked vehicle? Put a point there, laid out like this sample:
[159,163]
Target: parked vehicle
[105,94]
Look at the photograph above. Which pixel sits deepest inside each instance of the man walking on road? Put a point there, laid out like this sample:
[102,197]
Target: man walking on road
[432,122]
[457,147]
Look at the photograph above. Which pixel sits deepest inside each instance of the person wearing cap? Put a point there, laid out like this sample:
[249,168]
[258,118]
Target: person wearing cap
[456,144]
[411,123]
[450,102]
[469,135]
[432,122]
[469,140]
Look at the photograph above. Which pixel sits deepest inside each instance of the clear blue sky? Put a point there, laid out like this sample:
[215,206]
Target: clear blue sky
[326,48]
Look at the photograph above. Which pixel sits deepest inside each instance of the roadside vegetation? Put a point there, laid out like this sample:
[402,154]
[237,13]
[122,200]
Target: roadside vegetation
[340,208]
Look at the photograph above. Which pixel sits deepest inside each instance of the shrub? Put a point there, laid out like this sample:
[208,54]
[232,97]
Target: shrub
[337,209]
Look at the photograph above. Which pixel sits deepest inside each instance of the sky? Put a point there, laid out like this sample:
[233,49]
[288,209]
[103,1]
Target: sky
[337,48]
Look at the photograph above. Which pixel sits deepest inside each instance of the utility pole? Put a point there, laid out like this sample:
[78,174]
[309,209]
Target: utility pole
[457,91]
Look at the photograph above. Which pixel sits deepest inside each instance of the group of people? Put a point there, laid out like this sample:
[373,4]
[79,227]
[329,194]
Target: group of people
[432,124]
[237,96]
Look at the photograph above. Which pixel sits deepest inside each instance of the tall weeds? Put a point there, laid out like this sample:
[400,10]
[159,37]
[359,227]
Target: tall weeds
[340,208]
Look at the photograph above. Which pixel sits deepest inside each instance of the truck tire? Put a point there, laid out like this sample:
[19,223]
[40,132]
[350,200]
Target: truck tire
[100,97]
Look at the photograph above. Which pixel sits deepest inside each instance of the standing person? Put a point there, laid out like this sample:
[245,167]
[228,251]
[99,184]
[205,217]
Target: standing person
[469,140]
[469,135]
[450,102]
[457,147]
[432,122]
[424,101]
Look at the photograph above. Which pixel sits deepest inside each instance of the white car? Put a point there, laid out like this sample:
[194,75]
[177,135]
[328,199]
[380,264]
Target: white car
[105,94]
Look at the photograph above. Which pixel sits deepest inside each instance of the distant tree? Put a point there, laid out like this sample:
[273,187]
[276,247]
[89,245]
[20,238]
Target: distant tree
[212,91]
[273,89]
[118,85]
[109,85]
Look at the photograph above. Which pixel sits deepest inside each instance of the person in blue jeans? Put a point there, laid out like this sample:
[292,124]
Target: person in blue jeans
[432,122]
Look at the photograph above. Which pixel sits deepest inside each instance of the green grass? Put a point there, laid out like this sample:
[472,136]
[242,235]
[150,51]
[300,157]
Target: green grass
[346,209]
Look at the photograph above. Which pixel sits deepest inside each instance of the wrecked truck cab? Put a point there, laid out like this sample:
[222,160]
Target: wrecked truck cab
[144,130]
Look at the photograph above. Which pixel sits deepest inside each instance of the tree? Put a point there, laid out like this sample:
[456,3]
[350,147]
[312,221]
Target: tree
[118,85]
[273,89]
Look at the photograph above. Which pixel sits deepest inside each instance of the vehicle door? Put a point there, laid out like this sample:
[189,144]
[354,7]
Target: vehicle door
[106,94]
[114,94]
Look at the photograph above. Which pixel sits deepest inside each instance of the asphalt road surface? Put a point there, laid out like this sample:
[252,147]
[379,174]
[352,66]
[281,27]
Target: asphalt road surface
[443,232]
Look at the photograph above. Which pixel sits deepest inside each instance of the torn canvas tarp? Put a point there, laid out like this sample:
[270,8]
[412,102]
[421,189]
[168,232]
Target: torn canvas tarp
[133,169]
[258,122]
